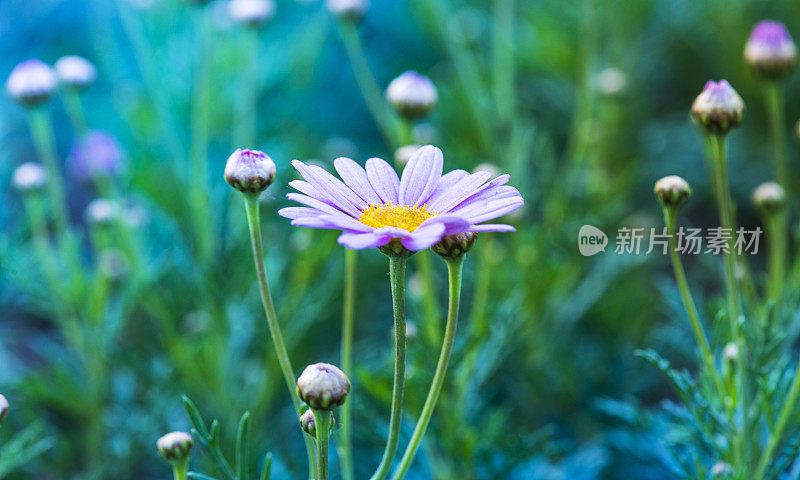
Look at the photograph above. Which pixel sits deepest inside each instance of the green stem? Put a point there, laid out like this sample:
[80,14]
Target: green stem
[775,224]
[397,270]
[345,442]
[72,101]
[42,131]
[254,223]
[670,215]
[777,432]
[503,60]
[777,134]
[322,420]
[371,91]
[432,332]
[454,270]
[180,470]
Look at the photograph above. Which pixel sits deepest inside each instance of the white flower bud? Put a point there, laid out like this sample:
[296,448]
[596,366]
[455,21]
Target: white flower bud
[253,13]
[412,95]
[76,72]
[175,447]
[323,386]
[31,83]
[29,177]
[250,171]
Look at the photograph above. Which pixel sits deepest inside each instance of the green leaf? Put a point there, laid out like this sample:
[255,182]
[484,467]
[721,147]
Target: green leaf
[266,468]
[241,447]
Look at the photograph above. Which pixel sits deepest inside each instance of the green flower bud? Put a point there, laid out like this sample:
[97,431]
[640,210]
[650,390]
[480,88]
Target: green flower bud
[308,423]
[672,191]
[175,447]
[453,246]
[323,386]
[718,109]
[769,197]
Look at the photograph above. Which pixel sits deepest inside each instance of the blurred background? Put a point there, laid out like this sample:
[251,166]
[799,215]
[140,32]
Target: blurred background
[584,102]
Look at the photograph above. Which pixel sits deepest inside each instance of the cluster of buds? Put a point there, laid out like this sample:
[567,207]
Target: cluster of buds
[175,447]
[770,50]
[250,171]
[672,192]
[412,95]
[718,109]
[253,13]
[323,386]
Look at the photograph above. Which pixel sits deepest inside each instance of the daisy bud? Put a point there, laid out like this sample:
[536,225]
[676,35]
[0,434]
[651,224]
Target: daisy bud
[29,177]
[453,246]
[75,72]
[31,83]
[730,352]
[721,470]
[249,171]
[672,191]
[3,408]
[718,109]
[308,423]
[323,386]
[101,212]
[769,197]
[770,50]
[252,13]
[348,10]
[97,155]
[412,95]
[611,82]
[175,447]
[403,154]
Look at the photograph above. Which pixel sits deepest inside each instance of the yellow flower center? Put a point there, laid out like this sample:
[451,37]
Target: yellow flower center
[401,216]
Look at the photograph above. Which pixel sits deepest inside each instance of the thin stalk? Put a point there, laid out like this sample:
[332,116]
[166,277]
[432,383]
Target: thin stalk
[454,270]
[397,271]
[72,101]
[688,302]
[431,306]
[180,470]
[775,117]
[777,432]
[480,299]
[254,223]
[775,224]
[44,141]
[371,91]
[345,442]
[322,420]
[503,69]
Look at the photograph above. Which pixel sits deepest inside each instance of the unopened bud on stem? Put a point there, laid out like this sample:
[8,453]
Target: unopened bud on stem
[769,197]
[31,83]
[412,95]
[718,109]
[29,177]
[770,50]
[175,447]
[323,386]
[250,171]
[672,191]
[454,246]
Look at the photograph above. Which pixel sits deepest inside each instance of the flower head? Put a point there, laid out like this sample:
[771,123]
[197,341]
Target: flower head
[348,10]
[97,154]
[770,50]
[769,197]
[175,447]
[102,212]
[3,408]
[251,12]
[31,83]
[29,177]
[75,72]
[249,171]
[672,191]
[373,207]
[412,95]
[718,108]
[323,386]
[611,82]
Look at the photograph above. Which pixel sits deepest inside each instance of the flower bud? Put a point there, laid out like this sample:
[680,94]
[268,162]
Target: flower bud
[29,177]
[769,197]
[672,191]
[97,155]
[721,470]
[412,95]
[31,83]
[403,154]
[453,246]
[101,212]
[249,171]
[730,352]
[175,447]
[611,82]
[252,13]
[718,109]
[3,408]
[348,10]
[395,247]
[75,72]
[323,386]
[308,423]
[770,50]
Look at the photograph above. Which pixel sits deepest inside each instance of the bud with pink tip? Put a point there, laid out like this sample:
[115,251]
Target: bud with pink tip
[250,171]
[718,109]
[323,386]
[770,50]
[412,95]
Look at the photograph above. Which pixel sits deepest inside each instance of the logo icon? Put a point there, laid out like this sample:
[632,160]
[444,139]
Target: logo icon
[591,240]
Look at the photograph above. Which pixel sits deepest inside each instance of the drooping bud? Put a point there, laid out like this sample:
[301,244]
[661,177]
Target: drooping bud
[75,71]
[102,212]
[403,154]
[672,191]
[250,171]
[412,95]
[97,155]
[323,386]
[769,197]
[175,447]
[453,246]
[4,406]
[29,177]
[31,83]
[611,82]
[770,50]
[718,109]
[348,10]
[252,13]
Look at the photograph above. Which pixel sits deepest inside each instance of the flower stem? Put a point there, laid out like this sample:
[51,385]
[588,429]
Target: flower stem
[775,225]
[777,134]
[345,442]
[42,131]
[322,420]
[777,432]
[431,307]
[454,269]
[254,222]
[688,302]
[72,100]
[397,271]
[180,470]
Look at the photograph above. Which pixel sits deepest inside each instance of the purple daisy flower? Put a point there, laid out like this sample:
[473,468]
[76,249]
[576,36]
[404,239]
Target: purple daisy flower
[373,206]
